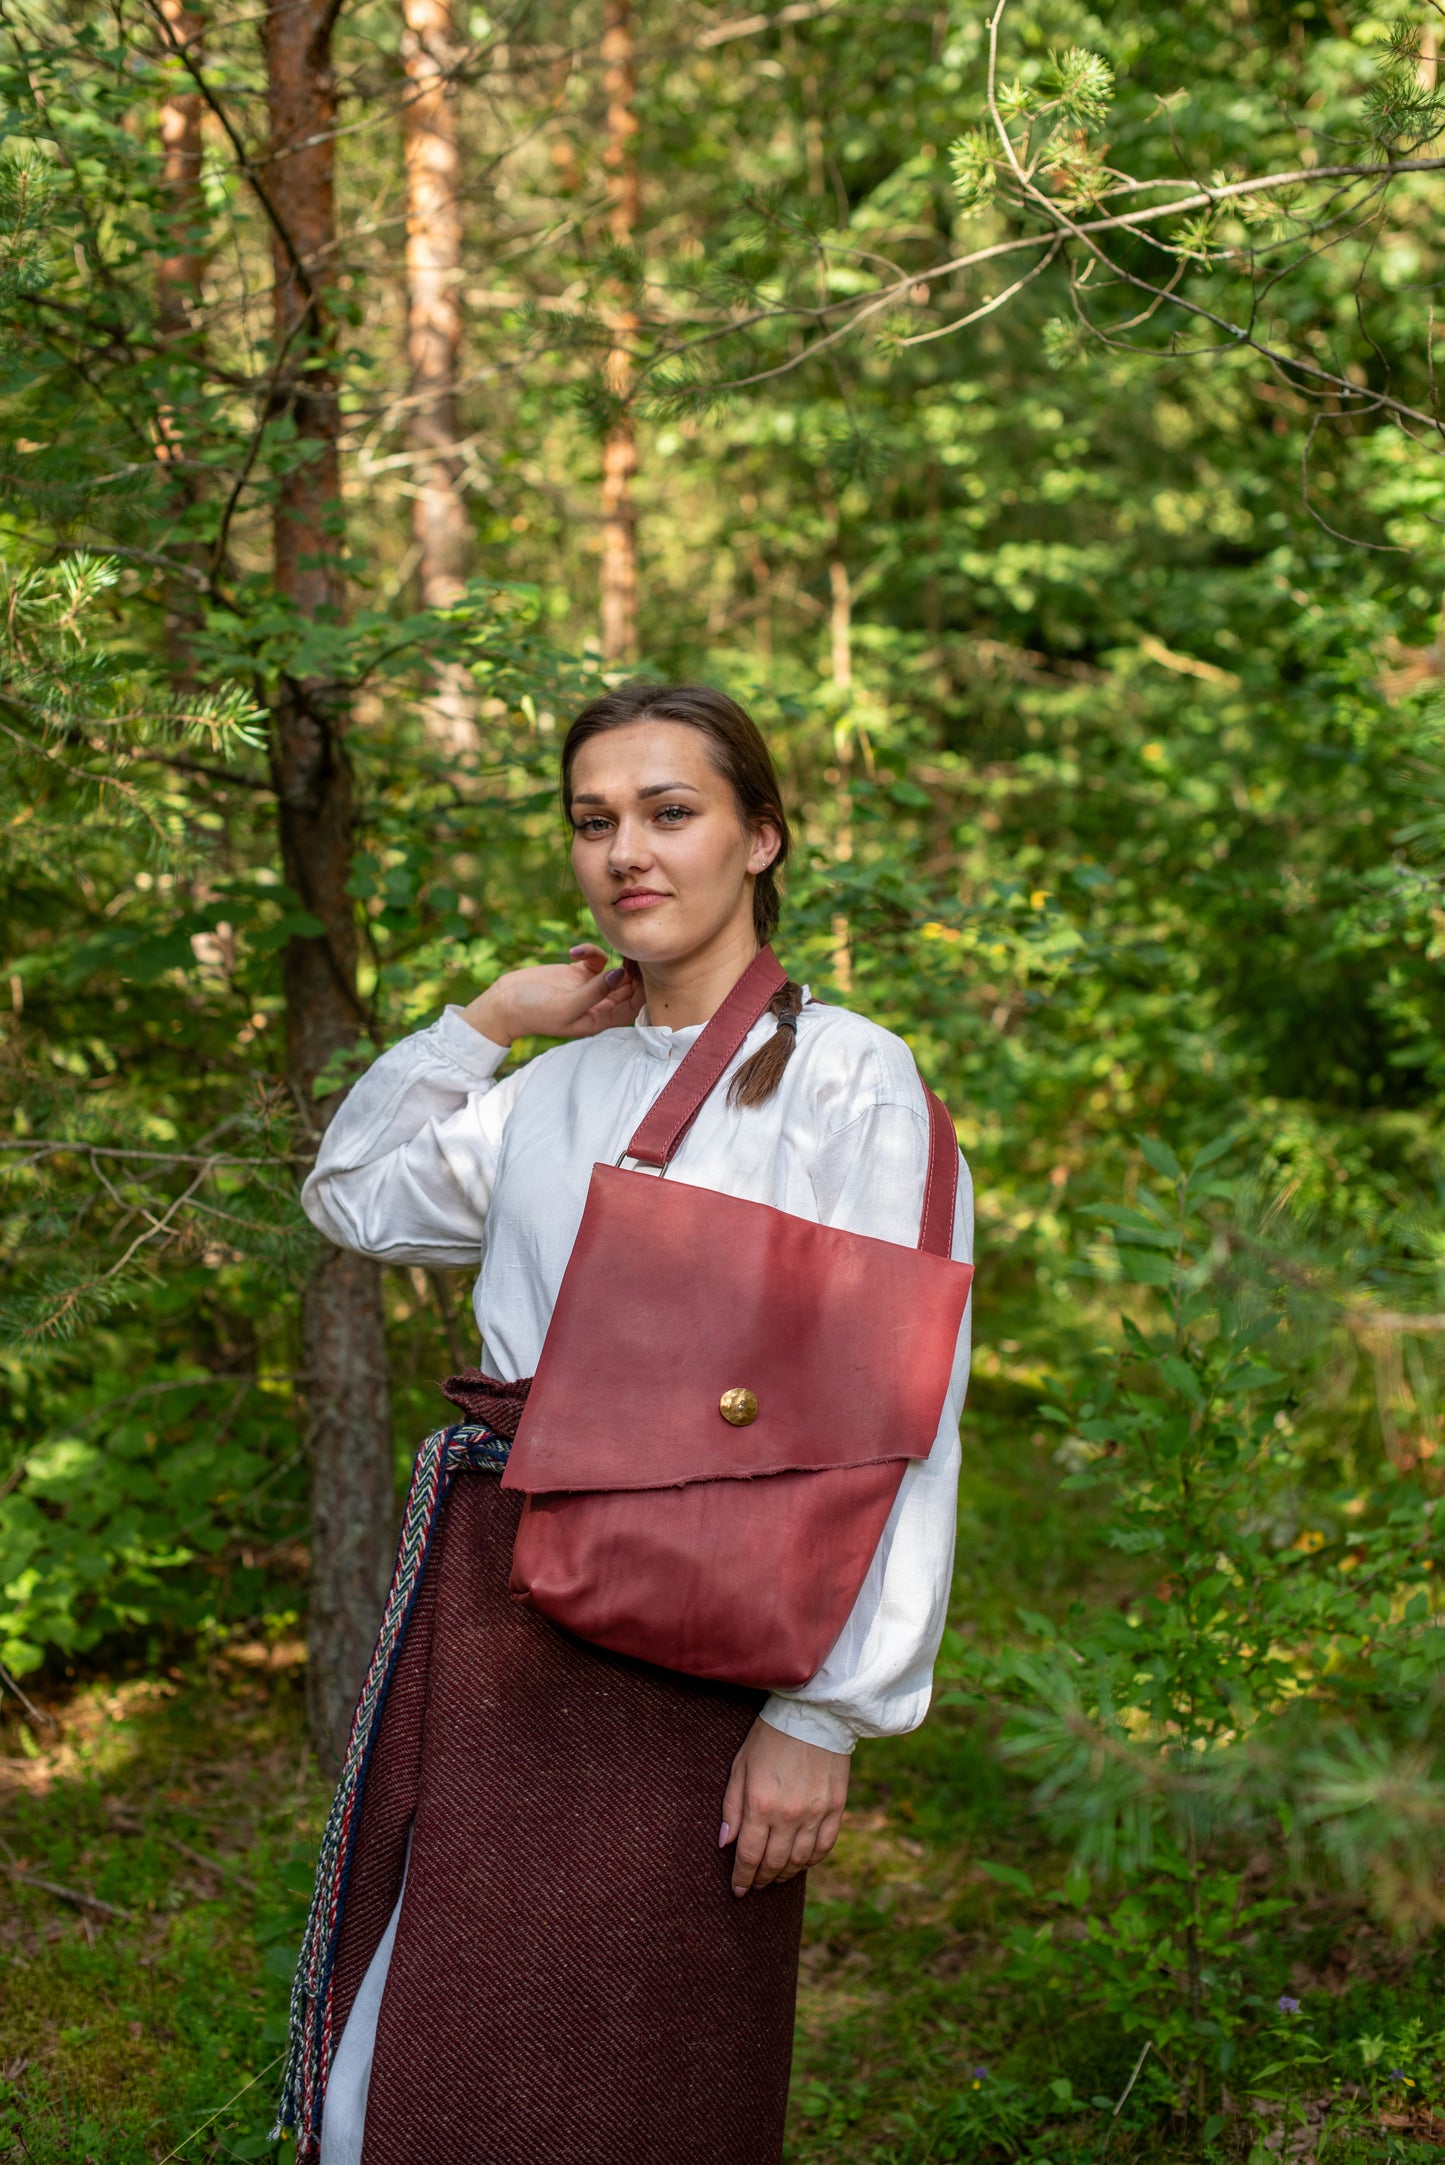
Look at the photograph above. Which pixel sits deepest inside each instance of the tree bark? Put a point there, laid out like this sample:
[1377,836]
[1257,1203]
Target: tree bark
[179,278]
[178,290]
[343,1334]
[353,1488]
[619,452]
[440,525]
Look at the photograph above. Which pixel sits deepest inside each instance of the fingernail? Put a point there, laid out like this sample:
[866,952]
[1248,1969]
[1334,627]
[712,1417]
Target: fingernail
[577,950]
[740,1890]
[722,1835]
[613,979]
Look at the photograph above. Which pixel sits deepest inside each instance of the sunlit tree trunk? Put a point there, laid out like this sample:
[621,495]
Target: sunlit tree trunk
[182,270]
[178,291]
[343,1338]
[619,454]
[434,331]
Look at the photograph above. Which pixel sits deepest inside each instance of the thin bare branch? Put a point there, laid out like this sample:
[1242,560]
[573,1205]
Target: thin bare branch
[68,1146]
[987,308]
[748,26]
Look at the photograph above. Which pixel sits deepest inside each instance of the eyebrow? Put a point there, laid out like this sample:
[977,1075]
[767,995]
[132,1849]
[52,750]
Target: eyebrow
[654,789]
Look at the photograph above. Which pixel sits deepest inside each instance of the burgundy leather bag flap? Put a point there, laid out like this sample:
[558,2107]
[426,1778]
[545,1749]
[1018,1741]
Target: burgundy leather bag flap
[655,1526]
[692,1294]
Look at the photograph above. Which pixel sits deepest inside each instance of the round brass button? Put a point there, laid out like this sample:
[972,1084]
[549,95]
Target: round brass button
[739,1407]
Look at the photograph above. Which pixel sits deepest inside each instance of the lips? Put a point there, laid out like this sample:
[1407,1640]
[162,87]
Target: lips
[639,898]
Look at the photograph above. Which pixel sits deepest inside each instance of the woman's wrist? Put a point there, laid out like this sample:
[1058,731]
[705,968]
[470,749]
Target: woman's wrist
[809,1724]
[488,1017]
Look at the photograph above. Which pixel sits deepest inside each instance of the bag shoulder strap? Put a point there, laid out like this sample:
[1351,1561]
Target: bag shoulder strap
[678,1104]
[940,1188]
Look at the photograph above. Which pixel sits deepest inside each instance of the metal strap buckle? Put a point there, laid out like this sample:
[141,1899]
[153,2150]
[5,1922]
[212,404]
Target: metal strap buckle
[659,1171]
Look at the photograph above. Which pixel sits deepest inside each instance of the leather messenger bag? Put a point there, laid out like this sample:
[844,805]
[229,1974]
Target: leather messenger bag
[726,1401]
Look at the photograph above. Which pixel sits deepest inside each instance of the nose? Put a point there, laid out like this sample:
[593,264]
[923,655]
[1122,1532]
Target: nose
[630,851]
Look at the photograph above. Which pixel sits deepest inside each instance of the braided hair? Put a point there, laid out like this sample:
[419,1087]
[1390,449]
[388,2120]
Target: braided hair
[759,1076]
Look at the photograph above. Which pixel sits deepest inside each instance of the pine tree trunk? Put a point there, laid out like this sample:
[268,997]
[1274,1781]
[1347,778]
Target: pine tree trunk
[440,524]
[178,290]
[619,452]
[181,272]
[343,1335]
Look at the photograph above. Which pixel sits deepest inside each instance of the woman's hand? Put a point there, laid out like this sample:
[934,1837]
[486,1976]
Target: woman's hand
[783,1806]
[557,999]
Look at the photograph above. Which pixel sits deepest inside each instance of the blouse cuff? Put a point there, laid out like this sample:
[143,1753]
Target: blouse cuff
[466,1047]
[810,1724]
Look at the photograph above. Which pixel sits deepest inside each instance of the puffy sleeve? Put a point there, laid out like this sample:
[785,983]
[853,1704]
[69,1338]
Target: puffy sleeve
[878,1678]
[406,1166]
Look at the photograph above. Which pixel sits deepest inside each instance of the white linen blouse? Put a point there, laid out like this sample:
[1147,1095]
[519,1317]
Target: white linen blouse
[432,1160]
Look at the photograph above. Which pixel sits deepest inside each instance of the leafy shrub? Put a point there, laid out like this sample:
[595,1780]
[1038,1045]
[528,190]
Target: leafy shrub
[1264,1676]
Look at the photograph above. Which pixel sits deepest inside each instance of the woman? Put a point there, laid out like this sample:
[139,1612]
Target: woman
[558,1915]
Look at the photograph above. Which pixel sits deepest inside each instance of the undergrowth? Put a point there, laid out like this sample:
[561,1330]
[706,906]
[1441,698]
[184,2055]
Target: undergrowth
[928,2034]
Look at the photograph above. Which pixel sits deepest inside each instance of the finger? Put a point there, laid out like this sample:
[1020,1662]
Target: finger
[589,953]
[809,1849]
[804,1850]
[592,990]
[827,1835]
[775,1856]
[624,1004]
[609,1006]
[732,1804]
[752,1847]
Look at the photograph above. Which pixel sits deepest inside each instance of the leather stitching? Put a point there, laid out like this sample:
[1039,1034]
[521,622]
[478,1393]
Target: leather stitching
[925,1222]
[939,1240]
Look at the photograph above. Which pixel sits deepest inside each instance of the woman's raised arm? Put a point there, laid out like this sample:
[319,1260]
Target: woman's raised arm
[405,1169]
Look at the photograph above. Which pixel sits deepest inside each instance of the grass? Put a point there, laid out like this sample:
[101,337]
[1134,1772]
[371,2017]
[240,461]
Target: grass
[947,2011]
[191,1803]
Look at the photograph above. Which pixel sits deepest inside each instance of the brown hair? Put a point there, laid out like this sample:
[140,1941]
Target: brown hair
[737,750]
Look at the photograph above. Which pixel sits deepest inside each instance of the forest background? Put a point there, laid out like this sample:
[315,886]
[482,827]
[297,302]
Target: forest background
[1034,419]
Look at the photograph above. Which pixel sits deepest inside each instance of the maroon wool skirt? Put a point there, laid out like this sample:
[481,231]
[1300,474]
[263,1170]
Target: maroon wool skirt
[573,1981]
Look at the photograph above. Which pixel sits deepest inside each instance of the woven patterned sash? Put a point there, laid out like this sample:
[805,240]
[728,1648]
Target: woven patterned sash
[466,1448]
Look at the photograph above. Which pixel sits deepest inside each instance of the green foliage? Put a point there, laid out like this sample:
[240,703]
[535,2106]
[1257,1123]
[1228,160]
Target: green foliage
[974,160]
[1402,112]
[86,726]
[144,1510]
[1081,85]
[187,1802]
[27,195]
[1272,1662]
[1117,778]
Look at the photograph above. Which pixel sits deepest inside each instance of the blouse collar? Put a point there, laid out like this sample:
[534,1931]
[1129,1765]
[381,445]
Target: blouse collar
[662,1043]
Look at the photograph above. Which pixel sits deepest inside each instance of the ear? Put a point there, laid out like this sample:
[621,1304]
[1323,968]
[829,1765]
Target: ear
[766,843]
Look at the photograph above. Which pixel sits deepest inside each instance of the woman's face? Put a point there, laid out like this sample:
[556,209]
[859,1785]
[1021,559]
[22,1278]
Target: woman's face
[660,853]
